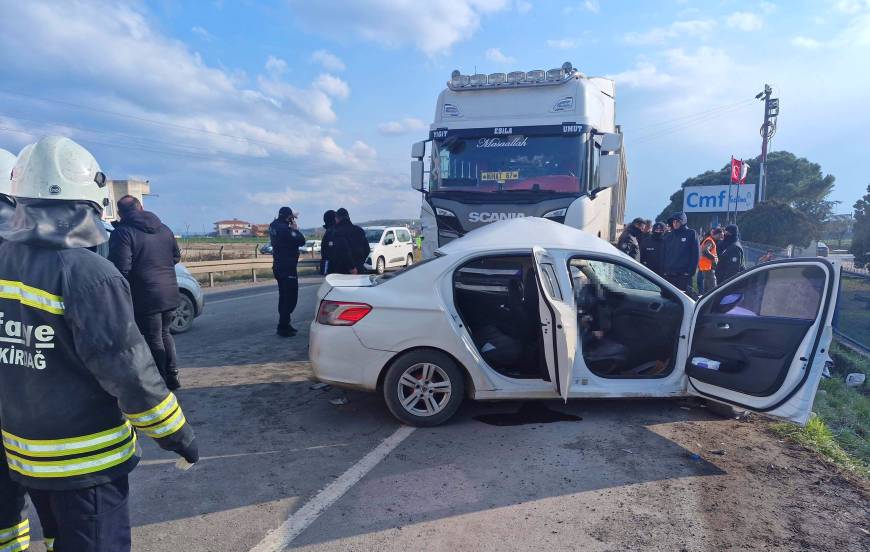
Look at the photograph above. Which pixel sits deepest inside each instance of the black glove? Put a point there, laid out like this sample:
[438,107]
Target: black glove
[189,453]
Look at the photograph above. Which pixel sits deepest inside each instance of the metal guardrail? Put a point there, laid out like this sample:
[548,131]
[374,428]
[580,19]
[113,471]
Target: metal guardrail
[852,317]
[236,265]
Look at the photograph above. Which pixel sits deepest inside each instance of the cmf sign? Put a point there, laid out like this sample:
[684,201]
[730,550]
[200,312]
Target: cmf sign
[714,199]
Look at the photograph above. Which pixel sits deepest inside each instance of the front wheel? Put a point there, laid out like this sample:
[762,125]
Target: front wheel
[182,318]
[424,388]
[410,260]
[381,265]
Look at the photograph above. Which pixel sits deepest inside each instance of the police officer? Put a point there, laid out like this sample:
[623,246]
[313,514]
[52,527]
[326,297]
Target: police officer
[76,376]
[652,248]
[286,240]
[732,258]
[352,242]
[681,251]
[629,241]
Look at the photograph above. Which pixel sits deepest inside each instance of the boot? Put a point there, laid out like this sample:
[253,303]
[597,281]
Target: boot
[171,379]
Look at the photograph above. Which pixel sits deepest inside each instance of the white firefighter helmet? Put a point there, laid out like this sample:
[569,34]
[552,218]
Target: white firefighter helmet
[7,161]
[58,168]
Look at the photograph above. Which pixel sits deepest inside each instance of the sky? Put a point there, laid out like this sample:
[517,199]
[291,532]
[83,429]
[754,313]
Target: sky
[232,109]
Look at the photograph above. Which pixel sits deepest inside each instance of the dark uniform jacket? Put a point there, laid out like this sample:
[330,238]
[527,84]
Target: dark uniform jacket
[335,253]
[286,242]
[651,252]
[75,373]
[681,251]
[352,247]
[145,252]
[732,260]
[629,242]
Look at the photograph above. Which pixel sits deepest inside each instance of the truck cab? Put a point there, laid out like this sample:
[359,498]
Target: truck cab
[537,143]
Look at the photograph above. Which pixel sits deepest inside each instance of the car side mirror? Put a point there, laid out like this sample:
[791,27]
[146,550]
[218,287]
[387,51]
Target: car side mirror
[417,175]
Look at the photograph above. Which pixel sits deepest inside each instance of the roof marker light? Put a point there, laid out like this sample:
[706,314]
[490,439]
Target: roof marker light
[536,75]
[555,74]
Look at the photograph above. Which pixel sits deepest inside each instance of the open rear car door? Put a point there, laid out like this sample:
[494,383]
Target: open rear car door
[761,340]
[558,322]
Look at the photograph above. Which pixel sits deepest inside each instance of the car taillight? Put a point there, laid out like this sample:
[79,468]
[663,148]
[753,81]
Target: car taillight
[339,313]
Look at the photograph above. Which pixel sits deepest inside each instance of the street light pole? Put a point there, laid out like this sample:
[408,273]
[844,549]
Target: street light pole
[768,129]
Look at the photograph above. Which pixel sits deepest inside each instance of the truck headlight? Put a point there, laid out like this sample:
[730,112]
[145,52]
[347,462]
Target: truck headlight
[558,213]
[444,212]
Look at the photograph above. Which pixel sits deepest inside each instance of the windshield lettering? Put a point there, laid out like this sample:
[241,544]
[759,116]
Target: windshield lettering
[512,142]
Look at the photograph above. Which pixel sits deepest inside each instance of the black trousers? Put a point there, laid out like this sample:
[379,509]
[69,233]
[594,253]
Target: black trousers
[96,519]
[683,282]
[155,330]
[14,531]
[288,296]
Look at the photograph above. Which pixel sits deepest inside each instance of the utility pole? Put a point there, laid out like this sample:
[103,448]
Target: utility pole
[768,129]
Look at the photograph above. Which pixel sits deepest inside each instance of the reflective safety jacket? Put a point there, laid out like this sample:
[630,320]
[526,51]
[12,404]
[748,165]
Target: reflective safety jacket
[14,525]
[708,256]
[76,376]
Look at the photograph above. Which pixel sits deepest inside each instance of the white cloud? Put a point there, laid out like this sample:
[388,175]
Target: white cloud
[333,86]
[202,33]
[692,28]
[806,42]
[404,126]
[192,127]
[329,61]
[433,28]
[523,7]
[562,44]
[744,21]
[643,75]
[275,66]
[592,6]
[767,7]
[851,7]
[496,55]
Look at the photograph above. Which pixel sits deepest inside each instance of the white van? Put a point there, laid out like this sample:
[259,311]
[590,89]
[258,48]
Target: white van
[391,246]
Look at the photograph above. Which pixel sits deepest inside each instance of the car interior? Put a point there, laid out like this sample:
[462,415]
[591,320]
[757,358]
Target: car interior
[497,299]
[747,334]
[629,326]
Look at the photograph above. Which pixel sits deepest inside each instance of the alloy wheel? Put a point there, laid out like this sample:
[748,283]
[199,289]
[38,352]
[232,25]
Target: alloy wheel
[424,389]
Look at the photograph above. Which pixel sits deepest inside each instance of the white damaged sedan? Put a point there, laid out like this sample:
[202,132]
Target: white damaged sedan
[533,309]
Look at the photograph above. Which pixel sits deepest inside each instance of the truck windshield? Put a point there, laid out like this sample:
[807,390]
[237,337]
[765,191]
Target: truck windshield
[509,163]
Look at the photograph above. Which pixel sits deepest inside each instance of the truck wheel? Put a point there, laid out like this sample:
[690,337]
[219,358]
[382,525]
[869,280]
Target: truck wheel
[424,388]
[381,266]
[182,318]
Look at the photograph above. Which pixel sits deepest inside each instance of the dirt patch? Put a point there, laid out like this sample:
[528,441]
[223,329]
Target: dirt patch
[770,496]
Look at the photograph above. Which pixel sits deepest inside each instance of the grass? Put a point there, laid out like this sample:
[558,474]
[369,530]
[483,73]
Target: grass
[840,430]
[853,316]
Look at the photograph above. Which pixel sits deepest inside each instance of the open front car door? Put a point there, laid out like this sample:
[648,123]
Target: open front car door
[558,321]
[761,340]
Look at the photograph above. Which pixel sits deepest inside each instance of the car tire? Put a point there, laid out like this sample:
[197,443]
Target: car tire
[182,318]
[410,260]
[381,265]
[441,394]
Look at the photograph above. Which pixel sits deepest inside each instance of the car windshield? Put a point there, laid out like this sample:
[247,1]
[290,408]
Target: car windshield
[373,235]
[509,163]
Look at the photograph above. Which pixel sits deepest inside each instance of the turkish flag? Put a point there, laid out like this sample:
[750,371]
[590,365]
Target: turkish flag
[736,169]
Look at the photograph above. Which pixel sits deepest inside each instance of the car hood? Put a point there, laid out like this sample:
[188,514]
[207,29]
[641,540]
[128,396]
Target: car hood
[349,280]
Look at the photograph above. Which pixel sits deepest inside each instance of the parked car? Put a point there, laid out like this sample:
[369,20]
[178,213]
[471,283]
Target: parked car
[191,302]
[311,247]
[391,246]
[266,249]
[533,309]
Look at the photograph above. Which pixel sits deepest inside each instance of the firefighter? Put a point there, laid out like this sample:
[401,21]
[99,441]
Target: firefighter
[76,376]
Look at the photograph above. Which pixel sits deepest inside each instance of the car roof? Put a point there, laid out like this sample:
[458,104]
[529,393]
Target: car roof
[525,233]
[374,227]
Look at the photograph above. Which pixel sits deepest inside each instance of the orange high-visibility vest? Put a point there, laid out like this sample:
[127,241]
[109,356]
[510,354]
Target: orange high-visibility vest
[705,264]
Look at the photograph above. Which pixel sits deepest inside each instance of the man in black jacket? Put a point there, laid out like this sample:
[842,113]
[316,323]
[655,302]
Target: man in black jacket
[652,248]
[681,253]
[286,240]
[81,377]
[145,252]
[352,247]
[732,259]
[629,241]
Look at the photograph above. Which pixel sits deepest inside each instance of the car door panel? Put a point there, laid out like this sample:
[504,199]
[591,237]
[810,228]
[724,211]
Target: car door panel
[556,293]
[760,341]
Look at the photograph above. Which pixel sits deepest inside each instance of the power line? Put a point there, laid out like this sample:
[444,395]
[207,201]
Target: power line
[653,136]
[692,115]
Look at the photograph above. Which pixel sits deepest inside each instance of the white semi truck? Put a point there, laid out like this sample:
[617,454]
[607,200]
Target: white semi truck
[537,143]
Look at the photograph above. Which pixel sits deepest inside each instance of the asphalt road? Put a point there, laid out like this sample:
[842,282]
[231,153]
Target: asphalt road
[283,468]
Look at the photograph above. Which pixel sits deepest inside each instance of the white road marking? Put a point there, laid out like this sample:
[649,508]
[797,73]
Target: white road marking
[278,539]
[241,454]
[273,292]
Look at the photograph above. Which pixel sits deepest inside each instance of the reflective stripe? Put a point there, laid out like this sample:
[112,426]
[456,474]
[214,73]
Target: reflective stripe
[75,466]
[21,543]
[167,427]
[31,296]
[15,531]
[160,411]
[62,447]
[49,544]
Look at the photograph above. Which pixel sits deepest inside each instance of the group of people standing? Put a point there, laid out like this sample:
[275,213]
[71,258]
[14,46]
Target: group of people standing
[673,250]
[344,249]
